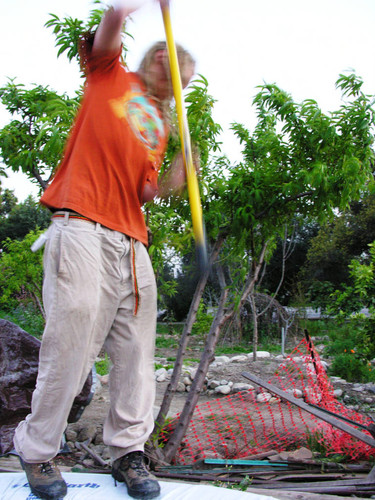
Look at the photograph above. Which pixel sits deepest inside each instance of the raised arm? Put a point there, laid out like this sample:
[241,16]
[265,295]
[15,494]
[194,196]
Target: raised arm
[108,35]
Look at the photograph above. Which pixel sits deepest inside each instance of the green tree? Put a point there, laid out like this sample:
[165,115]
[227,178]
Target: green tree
[344,238]
[354,306]
[8,201]
[19,218]
[21,273]
[298,161]
[33,141]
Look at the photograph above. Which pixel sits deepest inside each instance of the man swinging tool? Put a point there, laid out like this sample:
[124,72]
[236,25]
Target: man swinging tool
[99,286]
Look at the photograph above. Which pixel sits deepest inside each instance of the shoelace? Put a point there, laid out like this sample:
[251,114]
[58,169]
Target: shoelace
[138,466]
[47,468]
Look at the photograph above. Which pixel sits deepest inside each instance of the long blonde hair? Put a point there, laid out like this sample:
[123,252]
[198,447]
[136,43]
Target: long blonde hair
[185,59]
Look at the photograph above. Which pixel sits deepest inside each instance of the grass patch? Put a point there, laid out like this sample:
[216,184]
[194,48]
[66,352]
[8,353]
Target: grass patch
[169,328]
[102,366]
[27,318]
[166,342]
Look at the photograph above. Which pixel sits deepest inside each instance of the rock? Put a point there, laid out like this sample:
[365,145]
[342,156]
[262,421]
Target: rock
[181,387]
[338,393]
[19,357]
[263,397]
[162,377]
[187,381]
[358,388]
[90,463]
[104,379]
[160,371]
[240,386]
[212,384]
[239,359]
[301,455]
[223,389]
[70,434]
[224,382]
[222,359]
[297,393]
[274,400]
[87,433]
[260,355]
[215,364]
[98,441]
[324,364]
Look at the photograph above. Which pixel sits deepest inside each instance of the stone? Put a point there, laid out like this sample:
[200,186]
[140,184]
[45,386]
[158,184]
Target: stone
[223,389]
[260,355]
[187,381]
[239,359]
[338,393]
[274,400]
[212,384]
[104,379]
[222,359]
[297,393]
[162,377]
[301,455]
[181,387]
[240,386]
[160,371]
[87,433]
[358,388]
[19,357]
[324,364]
[263,397]
[70,434]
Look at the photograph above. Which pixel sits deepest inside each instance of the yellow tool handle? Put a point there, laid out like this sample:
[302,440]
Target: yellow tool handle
[191,176]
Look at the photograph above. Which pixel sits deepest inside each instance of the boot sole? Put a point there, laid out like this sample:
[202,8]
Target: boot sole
[135,494]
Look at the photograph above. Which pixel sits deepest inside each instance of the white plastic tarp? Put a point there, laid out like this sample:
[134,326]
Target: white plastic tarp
[14,486]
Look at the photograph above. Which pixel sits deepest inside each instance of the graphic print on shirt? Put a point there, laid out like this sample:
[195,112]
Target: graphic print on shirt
[143,118]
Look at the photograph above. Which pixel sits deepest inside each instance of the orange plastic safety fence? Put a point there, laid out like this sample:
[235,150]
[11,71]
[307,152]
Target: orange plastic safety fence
[244,424]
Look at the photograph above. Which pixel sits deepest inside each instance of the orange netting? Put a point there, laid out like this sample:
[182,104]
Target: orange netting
[239,425]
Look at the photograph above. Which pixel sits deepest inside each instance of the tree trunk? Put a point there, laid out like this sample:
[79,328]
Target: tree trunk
[255,325]
[174,442]
[221,317]
[172,386]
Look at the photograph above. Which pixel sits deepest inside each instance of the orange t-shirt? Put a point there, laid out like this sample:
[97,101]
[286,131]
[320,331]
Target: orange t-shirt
[116,146]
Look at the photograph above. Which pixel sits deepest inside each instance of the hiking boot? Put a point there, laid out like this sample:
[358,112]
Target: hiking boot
[45,480]
[131,470]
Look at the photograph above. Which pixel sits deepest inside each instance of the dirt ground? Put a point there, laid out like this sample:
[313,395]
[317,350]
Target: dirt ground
[95,413]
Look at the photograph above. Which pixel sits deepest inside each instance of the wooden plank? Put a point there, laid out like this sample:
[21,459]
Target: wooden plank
[314,411]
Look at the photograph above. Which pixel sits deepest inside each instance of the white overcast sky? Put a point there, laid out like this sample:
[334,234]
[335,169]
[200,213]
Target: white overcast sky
[301,45]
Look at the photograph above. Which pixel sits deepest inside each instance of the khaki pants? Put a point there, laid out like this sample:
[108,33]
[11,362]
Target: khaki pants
[89,300]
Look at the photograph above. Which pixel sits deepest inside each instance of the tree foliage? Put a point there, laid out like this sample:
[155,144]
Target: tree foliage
[21,273]
[34,139]
[22,217]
